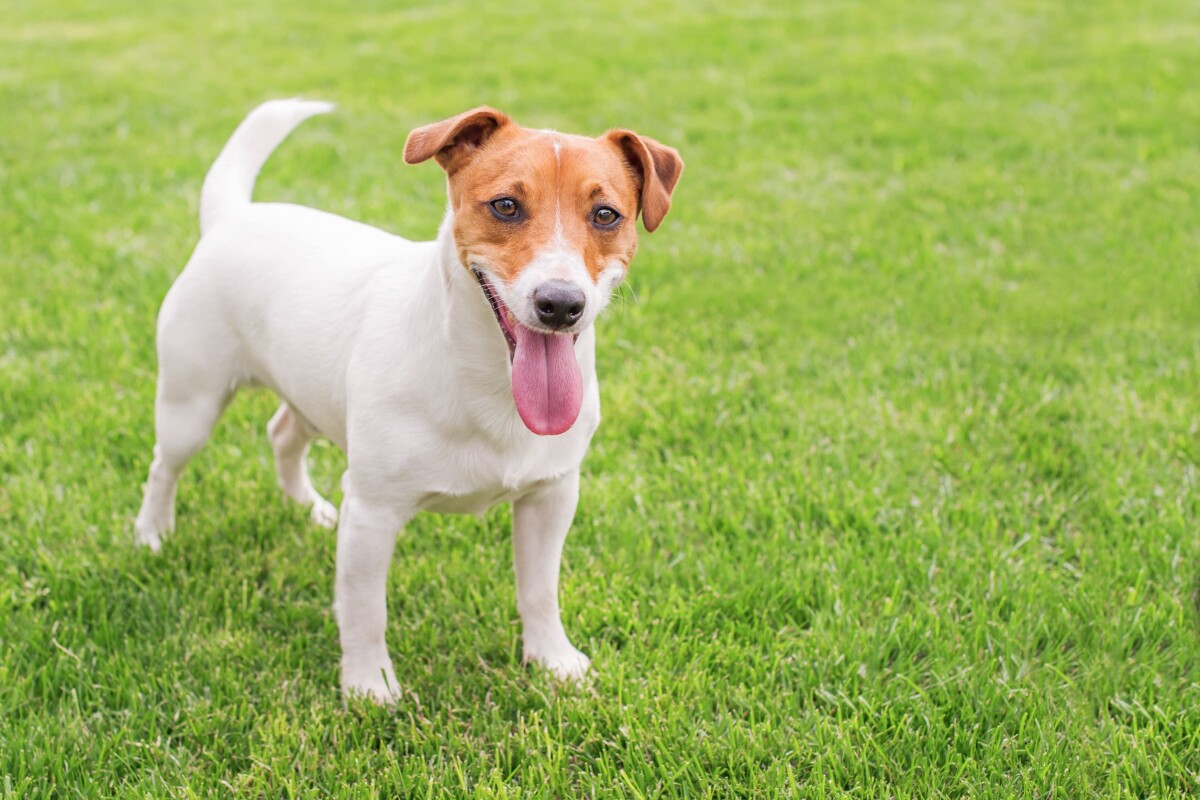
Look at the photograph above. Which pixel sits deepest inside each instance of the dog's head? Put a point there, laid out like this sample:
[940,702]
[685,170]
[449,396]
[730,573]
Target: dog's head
[547,223]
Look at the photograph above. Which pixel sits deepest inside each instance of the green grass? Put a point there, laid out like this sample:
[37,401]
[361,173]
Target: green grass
[897,490]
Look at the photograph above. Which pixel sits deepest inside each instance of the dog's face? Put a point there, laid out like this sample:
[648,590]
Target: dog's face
[547,223]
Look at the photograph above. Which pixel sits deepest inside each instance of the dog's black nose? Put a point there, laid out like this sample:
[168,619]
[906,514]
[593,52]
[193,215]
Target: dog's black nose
[558,304]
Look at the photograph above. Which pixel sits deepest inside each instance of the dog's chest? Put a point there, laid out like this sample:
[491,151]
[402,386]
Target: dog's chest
[471,480]
[474,503]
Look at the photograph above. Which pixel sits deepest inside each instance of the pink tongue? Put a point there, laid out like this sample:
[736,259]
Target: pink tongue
[547,385]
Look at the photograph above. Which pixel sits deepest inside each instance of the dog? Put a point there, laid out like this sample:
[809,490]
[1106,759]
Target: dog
[455,374]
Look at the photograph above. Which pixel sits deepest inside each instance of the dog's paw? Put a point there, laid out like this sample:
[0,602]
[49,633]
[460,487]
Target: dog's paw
[379,685]
[565,663]
[147,539]
[146,534]
[324,513]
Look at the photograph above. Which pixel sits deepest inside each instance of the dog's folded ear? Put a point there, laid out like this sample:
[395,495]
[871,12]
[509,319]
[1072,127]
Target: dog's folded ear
[453,141]
[657,167]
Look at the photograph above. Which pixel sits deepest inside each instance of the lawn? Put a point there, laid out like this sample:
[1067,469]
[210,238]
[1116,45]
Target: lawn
[898,489]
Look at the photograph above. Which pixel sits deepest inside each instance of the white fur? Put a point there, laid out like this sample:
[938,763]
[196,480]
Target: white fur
[388,348]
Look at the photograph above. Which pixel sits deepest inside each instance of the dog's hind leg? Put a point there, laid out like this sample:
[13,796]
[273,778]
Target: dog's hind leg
[290,435]
[196,380]
[181,426]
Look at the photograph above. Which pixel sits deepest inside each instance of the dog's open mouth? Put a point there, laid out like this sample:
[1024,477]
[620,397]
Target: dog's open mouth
[504,317]
[547,385]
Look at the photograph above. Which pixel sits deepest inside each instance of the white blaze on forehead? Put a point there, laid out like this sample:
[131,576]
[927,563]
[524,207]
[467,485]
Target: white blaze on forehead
[557,259]
[560,244]
[559,238]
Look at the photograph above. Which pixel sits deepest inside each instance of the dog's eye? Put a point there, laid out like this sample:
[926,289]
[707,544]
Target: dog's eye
[505,207]
[605,217]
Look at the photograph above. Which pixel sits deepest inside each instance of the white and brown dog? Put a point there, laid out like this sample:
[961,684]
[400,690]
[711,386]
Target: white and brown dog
[455,374]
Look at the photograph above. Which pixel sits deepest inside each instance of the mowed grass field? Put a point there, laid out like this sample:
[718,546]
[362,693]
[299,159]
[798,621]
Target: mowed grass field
[896,492]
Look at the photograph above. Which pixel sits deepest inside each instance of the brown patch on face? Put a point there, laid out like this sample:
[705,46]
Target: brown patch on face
[558,181]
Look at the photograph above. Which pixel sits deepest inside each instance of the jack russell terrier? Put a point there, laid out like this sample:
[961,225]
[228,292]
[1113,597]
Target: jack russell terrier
[455,374]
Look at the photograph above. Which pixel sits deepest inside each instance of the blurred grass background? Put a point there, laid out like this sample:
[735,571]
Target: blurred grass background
[896,490]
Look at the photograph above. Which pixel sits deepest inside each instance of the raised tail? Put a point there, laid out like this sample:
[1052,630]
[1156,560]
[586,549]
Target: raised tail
[230,181]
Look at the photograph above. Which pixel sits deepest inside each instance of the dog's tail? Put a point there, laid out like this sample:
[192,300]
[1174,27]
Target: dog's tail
[230,181]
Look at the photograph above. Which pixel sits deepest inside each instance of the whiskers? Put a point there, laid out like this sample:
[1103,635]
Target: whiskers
[623,296]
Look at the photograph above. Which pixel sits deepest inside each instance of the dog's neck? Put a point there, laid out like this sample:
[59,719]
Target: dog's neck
[469,327]
[447,247]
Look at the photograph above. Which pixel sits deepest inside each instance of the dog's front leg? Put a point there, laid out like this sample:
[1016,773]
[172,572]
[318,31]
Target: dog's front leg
[366,538]
[541,520]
